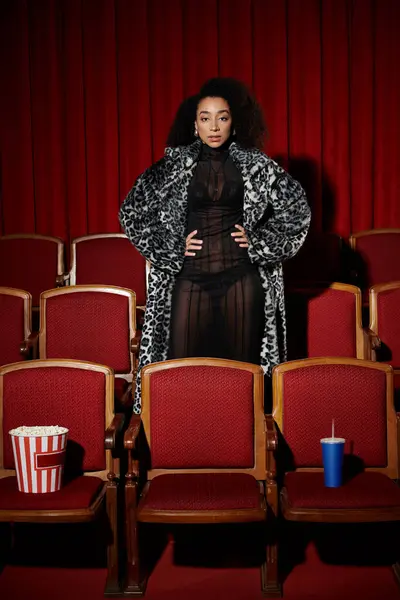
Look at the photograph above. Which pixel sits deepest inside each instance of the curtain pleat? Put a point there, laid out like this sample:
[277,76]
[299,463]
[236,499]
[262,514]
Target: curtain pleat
[304,100]
[235,39]
[17,174]
[270,73]
[75,119]
[101,114]
[362,113]
[48,110]
[200,43]
[165,67]
[90,88]
[387,114]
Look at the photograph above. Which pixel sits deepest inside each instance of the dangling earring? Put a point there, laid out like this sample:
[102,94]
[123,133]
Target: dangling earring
[234,132]
[196,133]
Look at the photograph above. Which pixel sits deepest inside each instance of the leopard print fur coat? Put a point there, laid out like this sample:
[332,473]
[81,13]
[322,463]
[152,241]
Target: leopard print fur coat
[276,219]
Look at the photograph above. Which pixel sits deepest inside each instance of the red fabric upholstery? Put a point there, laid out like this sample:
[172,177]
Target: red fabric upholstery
[203,491]
[380,252]
[332,324]
[11,328]
[202,416]
[69,397]
[389,323]
[28,264]
[111,261]
[321,323]
[91,326]
[354,396]
[78,493]
[365,490]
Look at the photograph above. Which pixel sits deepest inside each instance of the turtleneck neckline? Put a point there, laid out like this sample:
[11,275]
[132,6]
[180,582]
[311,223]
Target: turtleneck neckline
[209,152]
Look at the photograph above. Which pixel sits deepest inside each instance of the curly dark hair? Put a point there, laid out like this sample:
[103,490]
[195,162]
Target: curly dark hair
[247,117]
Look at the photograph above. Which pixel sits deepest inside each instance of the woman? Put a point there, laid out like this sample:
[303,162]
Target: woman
[216,218]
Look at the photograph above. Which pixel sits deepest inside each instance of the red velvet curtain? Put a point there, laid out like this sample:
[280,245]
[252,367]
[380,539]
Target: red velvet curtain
[89,89]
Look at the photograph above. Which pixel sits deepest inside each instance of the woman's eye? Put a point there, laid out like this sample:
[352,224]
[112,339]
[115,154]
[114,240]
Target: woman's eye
[203,119]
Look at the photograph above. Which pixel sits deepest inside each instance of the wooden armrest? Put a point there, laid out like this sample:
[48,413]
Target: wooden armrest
[272,446]
[135,343]
[372,344]
[373,339]
[30,344]
[126,400]
[272,434]
[61,280]
[113,430]
[131,434]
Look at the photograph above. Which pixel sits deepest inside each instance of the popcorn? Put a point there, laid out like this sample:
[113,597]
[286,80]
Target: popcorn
[39,456]
[38,431]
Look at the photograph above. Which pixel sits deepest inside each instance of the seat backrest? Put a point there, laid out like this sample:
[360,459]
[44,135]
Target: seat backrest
[379,250]
[67,393]
[204,414]
[15,322]
[31,262]
[108,259]
[325,322]
[358,394]
[90,323]
[385,320]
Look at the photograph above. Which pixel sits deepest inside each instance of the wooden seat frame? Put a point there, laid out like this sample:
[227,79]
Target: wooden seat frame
[369,232]
[108,493]
[373,312]
[28,345]
[366,340]
[95,236]
[263,471]
[60,276]
[344,515]
[355,236]
[130,377]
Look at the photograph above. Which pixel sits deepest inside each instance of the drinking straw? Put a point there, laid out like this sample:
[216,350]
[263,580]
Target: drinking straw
[333,428]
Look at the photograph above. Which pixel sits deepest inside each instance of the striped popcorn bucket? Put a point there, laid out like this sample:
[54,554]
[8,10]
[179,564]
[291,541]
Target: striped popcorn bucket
[39,455]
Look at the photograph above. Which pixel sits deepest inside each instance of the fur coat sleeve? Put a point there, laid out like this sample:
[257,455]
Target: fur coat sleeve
[144,221]
[281,232]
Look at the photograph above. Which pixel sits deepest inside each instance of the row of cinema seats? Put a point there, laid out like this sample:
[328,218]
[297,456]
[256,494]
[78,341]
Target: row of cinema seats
[185,465]
[367,259]
[98,324]
[328,322]
[37,263]
[279,452]
[91,323]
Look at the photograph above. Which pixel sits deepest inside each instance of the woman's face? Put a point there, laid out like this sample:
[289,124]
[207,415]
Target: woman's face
[213,121]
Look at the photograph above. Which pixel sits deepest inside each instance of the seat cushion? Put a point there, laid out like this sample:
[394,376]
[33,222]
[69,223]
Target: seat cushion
[365,490]
[203,491]
[78,493]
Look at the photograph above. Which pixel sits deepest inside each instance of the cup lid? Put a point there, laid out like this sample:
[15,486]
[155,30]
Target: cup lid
[331,440]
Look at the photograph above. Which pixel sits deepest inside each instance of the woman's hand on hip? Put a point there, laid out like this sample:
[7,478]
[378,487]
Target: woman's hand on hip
[193,244]
[240,237]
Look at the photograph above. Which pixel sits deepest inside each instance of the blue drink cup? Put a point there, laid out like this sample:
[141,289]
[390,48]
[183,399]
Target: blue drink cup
[332,458]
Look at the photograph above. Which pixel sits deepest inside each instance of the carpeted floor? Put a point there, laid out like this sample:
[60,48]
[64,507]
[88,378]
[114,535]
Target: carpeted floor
[320,569]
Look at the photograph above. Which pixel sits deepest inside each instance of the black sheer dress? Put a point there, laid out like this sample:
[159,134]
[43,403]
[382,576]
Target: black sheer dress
[218,299]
